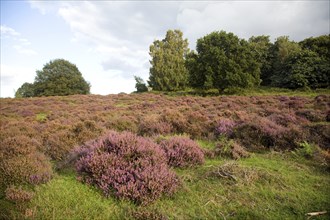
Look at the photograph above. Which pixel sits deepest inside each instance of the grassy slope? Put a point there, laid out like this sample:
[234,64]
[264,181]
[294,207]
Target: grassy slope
[269,186]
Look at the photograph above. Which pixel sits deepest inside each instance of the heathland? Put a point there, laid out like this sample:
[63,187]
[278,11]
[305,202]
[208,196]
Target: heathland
[165,156]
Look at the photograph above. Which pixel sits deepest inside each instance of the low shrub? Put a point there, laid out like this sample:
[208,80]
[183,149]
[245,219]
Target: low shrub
[230,149]
[319,134]
[21,162]
[306,150]
[176,119]
[225,127]
[198,124]
[182,152]
[153,125]
[58,144]
[314,152]
[260,133]
[127,166]
[143,214]
[17,194]
[85,131]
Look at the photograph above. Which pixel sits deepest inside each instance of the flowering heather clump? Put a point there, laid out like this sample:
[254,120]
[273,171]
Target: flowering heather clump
[59,144]
[127,165]
[85,131]
[225,127]
[182,152]
[198,125]
[153,125]
[259,132]
[21,162]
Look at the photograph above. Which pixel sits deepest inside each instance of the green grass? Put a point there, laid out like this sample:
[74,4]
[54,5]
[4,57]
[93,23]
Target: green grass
[41,117]
[268,186]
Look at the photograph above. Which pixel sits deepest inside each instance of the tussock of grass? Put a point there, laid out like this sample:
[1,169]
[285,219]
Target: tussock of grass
[66,198]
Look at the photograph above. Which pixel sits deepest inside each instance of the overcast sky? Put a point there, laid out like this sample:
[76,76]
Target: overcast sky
[109,40]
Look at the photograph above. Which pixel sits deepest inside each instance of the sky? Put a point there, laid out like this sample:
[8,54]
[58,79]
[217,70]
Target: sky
[109,40]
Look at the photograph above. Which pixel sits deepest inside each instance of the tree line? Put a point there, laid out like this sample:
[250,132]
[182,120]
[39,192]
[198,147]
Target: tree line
[224,61]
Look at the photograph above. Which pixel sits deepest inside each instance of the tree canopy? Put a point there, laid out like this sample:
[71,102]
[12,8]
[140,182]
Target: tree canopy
[168,71]
[140,84]
[223,61]
[57,78]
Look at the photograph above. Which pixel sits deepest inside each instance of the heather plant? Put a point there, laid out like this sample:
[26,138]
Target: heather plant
[58,144]
[182,152]
[176,119]
[126,166]
[319,134]
[21,162]
[85,131]
[259,133]
[122,123]
[198,124]
[153,125]
[225,127]
[17,194]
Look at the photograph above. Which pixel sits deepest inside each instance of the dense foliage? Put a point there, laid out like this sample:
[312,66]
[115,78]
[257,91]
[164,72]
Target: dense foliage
[168,71]
[182,152]
[22,162]
[227,63]
[57,78]
[223,61]
[126,165]
[140,84]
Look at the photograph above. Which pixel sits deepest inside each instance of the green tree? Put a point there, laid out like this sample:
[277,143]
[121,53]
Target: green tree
[261,49]
[168,71]
[140,84]
[304,69]
[223,61]
[319,45]
[282,50]
[26,90]
[59,78]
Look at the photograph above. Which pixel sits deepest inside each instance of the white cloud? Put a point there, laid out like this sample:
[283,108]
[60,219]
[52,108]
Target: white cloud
[25,51]
[298,19]
[7,31]
[21,44]
[118,33]
[12,77]
[24,41]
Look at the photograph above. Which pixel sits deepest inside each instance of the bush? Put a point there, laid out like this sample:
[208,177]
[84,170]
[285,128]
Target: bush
[21,162]
[182,152]
[153,125]
[126,165]
[225,127]
[259,133]
[18,195]
[59,144]
[85,131]
[230,149]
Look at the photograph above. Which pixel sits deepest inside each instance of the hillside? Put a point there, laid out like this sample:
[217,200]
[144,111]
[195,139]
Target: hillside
[266,157]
